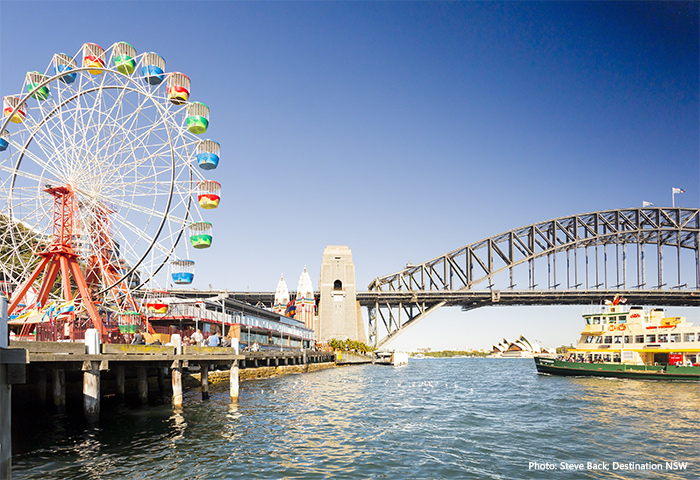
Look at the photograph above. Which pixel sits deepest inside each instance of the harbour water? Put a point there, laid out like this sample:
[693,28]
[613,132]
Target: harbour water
[463,418]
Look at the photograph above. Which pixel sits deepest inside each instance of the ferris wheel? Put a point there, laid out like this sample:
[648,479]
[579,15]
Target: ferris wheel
[101,162]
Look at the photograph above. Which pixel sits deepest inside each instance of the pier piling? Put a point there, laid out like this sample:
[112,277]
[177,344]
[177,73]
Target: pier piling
[234,381]
[41,385]
[91,391]
[59,389]
[120,381]
[142,384]
[177,382]
[204,372]
[5,400]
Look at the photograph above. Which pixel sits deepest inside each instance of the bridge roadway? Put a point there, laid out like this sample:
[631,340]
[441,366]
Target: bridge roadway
[469,299]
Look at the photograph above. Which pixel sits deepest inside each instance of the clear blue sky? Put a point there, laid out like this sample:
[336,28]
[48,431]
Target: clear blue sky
[408,129]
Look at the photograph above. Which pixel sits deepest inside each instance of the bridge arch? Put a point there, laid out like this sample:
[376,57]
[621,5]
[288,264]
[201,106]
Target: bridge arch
[572,251]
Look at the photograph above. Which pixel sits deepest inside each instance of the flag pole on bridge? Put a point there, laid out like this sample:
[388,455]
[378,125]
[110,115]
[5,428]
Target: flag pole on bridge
[674,191]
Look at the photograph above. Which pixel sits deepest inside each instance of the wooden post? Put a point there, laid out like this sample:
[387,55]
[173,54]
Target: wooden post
[41,385]
[234,381]
[205,380]
[91,391]
[59,389]
[142,384]
[161,379]
[5,424]
[120,381]
[5,400]
[177,382]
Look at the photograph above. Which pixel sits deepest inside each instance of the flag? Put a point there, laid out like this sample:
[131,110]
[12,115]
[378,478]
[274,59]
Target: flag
[291,309]
[65,308]
[678,190]
[49,312]
[647,204]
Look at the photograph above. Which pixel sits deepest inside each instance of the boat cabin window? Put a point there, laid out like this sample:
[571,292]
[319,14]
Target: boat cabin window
[589,339]
[663,337]
[606,357]
[651,338]
[588,320]
[611,320]
[688,337]
[628,338]
[618,339]
[639,339]
[596,320]
[691,358]
[598,339]
[608,339]
[622,319]
[675,337]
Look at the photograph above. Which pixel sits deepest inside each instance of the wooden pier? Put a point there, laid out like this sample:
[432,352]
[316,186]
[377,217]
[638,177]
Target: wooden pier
[41,370]
[45,364]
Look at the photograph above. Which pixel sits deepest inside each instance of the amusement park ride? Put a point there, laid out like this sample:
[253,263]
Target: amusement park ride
[98,187]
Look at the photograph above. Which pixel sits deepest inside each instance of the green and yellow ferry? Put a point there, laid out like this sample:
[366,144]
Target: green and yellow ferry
[631,343]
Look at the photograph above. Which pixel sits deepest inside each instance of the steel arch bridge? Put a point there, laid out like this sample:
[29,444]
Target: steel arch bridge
[579,259]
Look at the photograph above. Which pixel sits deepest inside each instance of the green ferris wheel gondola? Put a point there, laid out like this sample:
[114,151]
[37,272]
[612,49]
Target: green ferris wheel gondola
[124,58]
[197,117]
[200,234]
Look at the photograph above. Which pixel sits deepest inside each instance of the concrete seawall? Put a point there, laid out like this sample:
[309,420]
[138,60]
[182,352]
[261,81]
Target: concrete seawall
[193,380]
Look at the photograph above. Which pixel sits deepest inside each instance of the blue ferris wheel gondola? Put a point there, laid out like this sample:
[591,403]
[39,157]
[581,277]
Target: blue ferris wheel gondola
[182,271]
[65,63]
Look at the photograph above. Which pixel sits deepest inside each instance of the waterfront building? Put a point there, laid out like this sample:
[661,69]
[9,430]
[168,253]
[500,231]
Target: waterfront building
[305,301]
[240,320]
[340,316]
[281,297]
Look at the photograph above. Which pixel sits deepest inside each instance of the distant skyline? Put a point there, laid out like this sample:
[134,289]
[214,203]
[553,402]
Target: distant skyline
[405,130]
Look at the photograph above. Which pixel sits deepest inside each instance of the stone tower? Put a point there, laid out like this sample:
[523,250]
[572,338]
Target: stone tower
[339,314]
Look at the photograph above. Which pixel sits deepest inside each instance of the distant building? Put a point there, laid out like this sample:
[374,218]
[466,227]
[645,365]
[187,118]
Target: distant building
[305,301]
[281,297]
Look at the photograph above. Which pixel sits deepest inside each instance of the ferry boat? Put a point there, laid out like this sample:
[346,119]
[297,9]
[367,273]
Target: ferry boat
[631,342]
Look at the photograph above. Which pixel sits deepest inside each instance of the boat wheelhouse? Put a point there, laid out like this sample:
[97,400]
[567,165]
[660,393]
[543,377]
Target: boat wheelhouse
[631,343]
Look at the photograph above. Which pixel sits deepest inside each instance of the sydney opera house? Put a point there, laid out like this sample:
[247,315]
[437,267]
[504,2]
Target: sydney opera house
[521,348]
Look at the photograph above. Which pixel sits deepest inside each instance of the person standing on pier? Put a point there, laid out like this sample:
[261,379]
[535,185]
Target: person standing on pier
[198,338]
[214,339]
[138,338]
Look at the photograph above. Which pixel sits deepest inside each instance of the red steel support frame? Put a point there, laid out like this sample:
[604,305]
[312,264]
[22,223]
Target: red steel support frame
[60,256]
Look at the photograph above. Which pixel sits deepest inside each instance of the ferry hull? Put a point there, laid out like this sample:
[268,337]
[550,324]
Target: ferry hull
[649,372]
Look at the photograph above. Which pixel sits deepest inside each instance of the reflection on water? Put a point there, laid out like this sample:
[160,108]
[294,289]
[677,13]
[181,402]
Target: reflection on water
[435,418]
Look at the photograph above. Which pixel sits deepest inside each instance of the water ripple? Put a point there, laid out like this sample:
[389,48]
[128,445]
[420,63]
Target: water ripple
[434,419]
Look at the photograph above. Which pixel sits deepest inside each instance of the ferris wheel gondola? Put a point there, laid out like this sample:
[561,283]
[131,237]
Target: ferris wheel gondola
[99,177]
